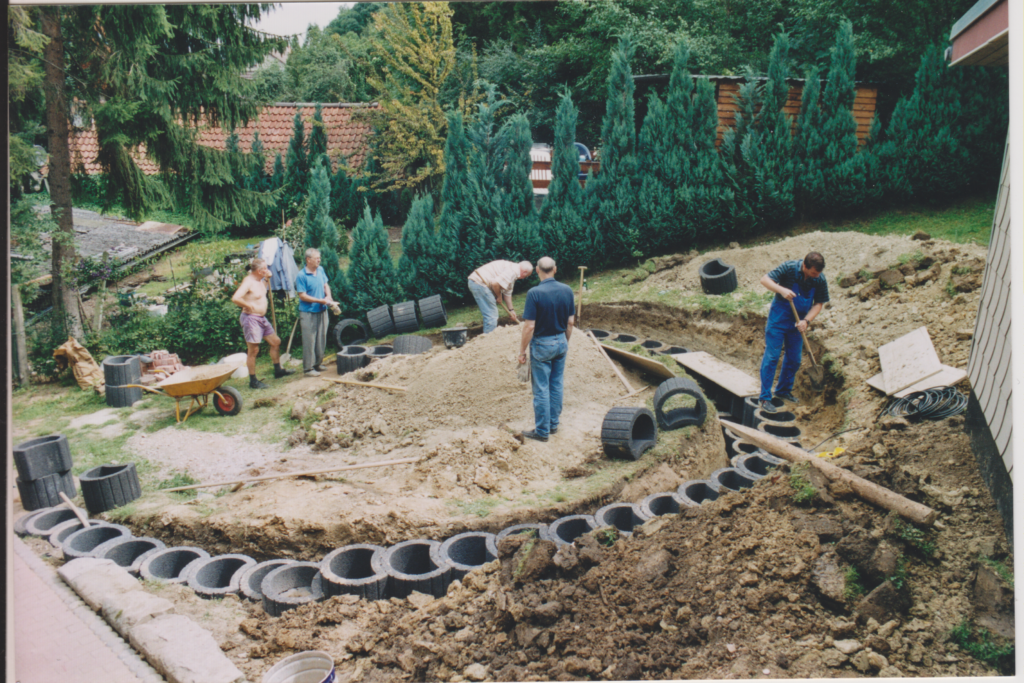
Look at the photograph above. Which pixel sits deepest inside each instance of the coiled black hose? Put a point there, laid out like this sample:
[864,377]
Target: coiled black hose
[931,404]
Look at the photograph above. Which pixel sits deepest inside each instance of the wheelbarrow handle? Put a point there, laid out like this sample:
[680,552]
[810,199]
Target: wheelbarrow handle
[807,344]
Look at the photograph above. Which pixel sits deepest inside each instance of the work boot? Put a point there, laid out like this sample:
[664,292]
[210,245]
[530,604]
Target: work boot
[319,367]
[280,372]
[531,434]
[767,407]
[788,396]
[255,383]
[312,373]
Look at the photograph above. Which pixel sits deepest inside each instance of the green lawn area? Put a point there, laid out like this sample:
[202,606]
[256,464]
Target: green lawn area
[968,220]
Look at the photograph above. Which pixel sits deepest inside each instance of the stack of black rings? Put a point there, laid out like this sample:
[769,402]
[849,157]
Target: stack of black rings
[931,404]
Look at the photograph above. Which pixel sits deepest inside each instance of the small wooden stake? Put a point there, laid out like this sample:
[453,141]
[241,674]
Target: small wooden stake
[78,513]
[579,304]
[869,491]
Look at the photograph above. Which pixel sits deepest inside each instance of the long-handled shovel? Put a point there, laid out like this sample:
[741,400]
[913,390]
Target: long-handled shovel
[816,372]
[287,355]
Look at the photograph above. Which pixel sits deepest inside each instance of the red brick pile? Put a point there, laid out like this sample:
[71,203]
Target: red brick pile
[163,365]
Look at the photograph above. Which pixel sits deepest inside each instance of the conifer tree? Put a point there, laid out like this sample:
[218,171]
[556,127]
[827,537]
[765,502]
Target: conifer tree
[317,136]
[420,268]
[735,155]
[518,230]
[296,167]
[486,148]
[704,197]
[568,237]
[833,176]
[372,280]
[453,224]
[656,195]
[321,233]
[614,189]
[346,203]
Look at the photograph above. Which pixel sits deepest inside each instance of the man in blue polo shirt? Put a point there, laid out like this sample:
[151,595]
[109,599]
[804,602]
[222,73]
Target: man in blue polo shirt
[548,319]
[314,299]
[802,283]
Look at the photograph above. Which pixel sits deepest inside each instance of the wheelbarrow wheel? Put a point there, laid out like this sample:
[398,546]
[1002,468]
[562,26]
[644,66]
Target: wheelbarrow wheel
[229,402]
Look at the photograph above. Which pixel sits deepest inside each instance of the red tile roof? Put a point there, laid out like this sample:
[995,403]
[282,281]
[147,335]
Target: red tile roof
[346,137]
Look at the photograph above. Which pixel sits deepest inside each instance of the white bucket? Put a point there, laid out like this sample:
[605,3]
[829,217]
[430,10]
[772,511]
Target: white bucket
[239,360]
[313,666]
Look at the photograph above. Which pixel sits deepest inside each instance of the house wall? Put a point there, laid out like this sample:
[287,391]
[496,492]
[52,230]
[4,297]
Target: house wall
[990,370]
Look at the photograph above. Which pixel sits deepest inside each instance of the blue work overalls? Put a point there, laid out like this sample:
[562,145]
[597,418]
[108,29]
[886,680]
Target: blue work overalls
[781,330]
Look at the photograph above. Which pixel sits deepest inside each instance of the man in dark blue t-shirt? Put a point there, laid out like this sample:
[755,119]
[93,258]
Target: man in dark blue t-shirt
[548,319]
[801,283]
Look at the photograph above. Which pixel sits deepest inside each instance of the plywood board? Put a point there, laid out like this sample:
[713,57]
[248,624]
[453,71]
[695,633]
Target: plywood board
[649,364]
[733,380]
[908,360]
[946,377]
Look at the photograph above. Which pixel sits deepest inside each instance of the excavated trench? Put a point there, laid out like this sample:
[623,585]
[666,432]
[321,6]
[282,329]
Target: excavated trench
[455,491]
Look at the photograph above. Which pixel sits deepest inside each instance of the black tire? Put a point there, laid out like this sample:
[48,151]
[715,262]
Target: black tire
[693,493]
[658,504]
[42,457]
[229,402]
[731,479]
[288,586]
[381,323]
[432,312]
[252,578]
[672,350]
[215,577]
[411,344]
[42,523]
[84,541]
[122,397]
[600,334]
[465,552]
[340,328]
[752,465]
[21,524]
[121,370]
[624,338]
[628,432]
[786,431]
[170,565]
[677,418]
[350,358]
[566,530]
[717,278]
[110,486]
[382,351]
[45,491]
[410,566]
[350,570]
[404,315]
[539,531]
[653,345]
[128,552]
[623,516]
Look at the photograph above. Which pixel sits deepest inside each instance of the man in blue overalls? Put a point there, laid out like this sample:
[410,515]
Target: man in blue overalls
[800,282]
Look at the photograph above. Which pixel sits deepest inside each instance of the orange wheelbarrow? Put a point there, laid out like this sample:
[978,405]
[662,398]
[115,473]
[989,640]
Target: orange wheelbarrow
[197,384]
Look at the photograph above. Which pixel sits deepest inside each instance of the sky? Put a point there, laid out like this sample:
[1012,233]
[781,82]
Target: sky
[293,17]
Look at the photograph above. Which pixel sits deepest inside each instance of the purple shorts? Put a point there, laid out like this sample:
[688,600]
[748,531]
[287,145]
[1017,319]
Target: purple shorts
[255,327]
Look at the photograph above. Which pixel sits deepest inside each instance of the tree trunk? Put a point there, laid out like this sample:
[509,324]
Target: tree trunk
[21,370]
[65,301]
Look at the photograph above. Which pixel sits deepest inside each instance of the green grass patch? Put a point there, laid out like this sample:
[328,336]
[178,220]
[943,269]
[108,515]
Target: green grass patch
[979,644]
[965,221]
[481,507]
[803,490]
[853,587]
[1004,572]
[913,537]
[180,479]
[899,577]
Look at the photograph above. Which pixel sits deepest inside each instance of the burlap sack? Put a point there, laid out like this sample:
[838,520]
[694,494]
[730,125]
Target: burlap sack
[87,373]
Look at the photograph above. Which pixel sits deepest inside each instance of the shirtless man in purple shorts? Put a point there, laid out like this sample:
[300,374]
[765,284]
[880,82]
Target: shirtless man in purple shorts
[251,297]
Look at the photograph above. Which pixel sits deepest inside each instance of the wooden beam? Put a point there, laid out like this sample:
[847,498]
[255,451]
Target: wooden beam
[869,491]
[364,384]
[618,373]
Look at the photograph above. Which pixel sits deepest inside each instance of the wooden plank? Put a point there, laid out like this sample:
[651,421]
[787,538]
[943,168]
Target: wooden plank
[649,364]
[732,379]
[908,360]
[946,377]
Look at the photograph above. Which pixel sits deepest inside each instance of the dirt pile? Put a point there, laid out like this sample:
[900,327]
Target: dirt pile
[751,585]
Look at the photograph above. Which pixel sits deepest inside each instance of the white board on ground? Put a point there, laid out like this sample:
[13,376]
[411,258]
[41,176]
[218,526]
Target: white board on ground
[730,378]
[946,377]
[908,360]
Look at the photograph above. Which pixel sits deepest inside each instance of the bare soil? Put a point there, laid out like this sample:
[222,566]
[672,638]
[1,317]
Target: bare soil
[742,587]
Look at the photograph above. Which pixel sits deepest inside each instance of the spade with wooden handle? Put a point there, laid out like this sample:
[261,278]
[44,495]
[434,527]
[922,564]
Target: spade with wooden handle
[816,373]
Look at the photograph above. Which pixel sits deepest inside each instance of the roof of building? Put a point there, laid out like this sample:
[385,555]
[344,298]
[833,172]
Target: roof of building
[346,136]
[981,37]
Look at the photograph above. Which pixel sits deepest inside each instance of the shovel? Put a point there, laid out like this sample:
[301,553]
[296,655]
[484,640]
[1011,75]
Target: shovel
[816,373]
[287,355]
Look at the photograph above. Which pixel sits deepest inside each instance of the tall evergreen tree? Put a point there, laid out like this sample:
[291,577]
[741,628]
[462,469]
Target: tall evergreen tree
[656,204]
[371,272]
[487,146]
[568,235]
[317,136]
[832,175]
[518,230]
[296,177]
[321,233]
[420,265]
[772,146]
[453,224]
[735,155]
[346,202]
[614,188]
[705,196]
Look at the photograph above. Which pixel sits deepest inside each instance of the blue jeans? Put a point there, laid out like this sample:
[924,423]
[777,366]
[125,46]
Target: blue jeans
[488,306]
[547,366]
[780,331]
